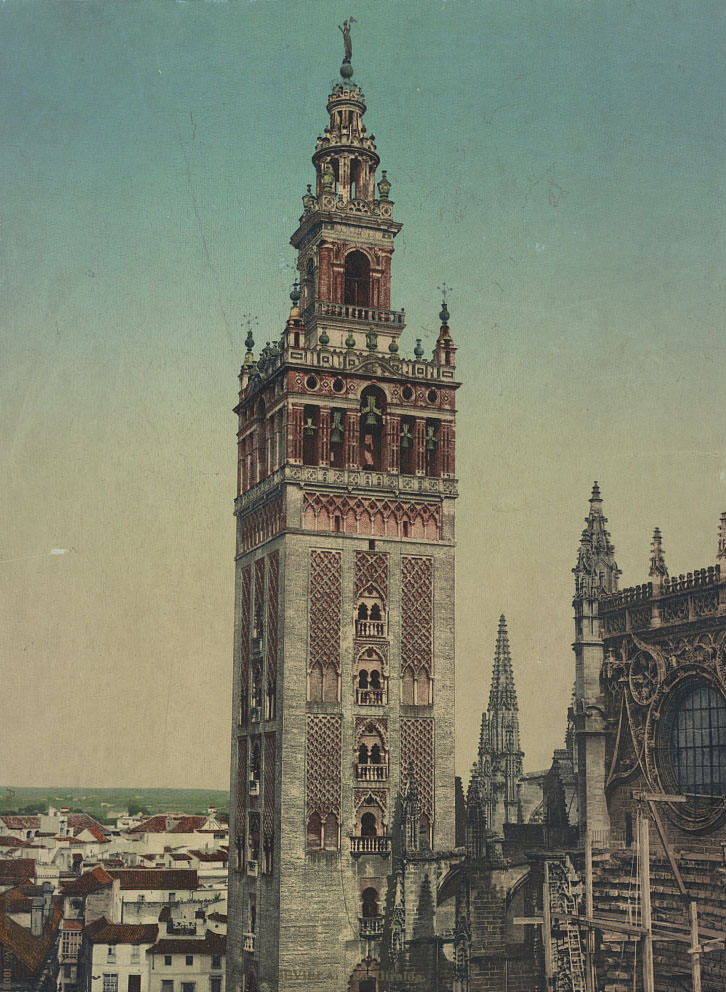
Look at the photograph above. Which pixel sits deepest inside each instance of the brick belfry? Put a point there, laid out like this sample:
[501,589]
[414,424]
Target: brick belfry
[344,597]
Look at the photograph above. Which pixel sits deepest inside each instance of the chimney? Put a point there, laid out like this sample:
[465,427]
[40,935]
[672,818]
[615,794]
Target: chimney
[36,916]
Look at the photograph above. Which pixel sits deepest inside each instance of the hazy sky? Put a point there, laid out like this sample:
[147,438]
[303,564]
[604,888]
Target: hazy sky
[560,163]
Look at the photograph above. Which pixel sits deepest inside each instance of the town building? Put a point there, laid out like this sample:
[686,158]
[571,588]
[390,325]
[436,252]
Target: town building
[344,604]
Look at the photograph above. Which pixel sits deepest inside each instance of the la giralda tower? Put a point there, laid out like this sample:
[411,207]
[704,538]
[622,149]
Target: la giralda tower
[344,596]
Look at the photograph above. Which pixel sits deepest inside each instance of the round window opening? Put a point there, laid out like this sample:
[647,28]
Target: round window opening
[338,385]
[432,396]
[407,393]
[311,382]
[693,747]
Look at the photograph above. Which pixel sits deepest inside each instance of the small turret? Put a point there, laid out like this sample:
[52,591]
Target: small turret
[445,352]
[658,568]
[596,572]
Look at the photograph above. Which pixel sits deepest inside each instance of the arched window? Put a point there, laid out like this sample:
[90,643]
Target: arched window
[375,755]
[316,683]
[311,430]
[330,832]
[363,754]
[362,611]
[315,831]
[372,418]
[375,680]
[368,825]
[424,833]
[355,180]
[696,753]
[357,279]
[363,679]
[407,688]
[370,902]
[330,684]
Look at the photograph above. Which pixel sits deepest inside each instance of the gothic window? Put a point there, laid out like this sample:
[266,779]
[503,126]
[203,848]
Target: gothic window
[695,745]
[375,680]
[311,430]
[363,679]
[357,279]
[330,832]
[370,616]
[370,902]
[315,832]
[372,755]
[261,442]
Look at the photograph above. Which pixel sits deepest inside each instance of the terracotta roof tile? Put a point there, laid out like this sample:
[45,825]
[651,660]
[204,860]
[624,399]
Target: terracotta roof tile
[16,871]
[173,823]
[103,932]
[89,881]
[213,943]
[156,878]
[32,951]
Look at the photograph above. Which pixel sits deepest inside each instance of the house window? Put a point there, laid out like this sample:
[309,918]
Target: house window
[110,983]
[190,959]
[134,983]
[135,953]
[215,984]
[216,962]
[111,953]
[167,959]
[187,987]
[167,985]
[172,896]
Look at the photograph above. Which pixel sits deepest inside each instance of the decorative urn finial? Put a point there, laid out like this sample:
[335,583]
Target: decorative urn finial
[418,350]
[384,185]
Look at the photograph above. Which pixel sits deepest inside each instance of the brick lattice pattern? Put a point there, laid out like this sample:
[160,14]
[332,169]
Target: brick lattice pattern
[326,583]
[323,765]
[273,586]
[371,574]
[244,636]
[417,748]
[417,585]
[268,809]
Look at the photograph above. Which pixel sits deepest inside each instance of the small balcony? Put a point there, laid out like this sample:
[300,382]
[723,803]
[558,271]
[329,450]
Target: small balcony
[370,628]
[252,868]
[370,697]
[254,787]
[370,845]
[371,773]
[249,942]
[371,927]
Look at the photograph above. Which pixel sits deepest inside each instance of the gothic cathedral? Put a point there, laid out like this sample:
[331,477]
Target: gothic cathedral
[343,717]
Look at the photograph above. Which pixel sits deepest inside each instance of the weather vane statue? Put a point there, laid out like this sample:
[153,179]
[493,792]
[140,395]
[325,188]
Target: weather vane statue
[346,69]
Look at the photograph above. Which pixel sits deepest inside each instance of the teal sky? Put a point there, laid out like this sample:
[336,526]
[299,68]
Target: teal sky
[559,163]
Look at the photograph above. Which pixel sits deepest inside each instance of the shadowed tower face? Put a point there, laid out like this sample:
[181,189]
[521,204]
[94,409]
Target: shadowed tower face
[500,758]
[344,603]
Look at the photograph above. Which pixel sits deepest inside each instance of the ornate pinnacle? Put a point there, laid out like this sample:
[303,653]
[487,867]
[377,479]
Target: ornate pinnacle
[722,538]
[658,565]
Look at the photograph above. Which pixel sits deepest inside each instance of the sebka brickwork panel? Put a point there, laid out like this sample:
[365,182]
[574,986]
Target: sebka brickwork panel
[268,809]
[417,749]
[323,776]
[371,574]
[417,587]
[273,586]
[326,584]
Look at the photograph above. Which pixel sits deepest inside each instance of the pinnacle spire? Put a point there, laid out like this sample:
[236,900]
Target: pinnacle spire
[596,572]
[722,538]
[502,694]
[658,567]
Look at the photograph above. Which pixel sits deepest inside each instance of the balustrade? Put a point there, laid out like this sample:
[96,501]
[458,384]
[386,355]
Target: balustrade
[370,628]
[371,773]
[370,697]
[370,845]
[371,927]
[249,942]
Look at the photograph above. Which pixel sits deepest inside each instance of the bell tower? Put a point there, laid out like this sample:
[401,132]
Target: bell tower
[344,604]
